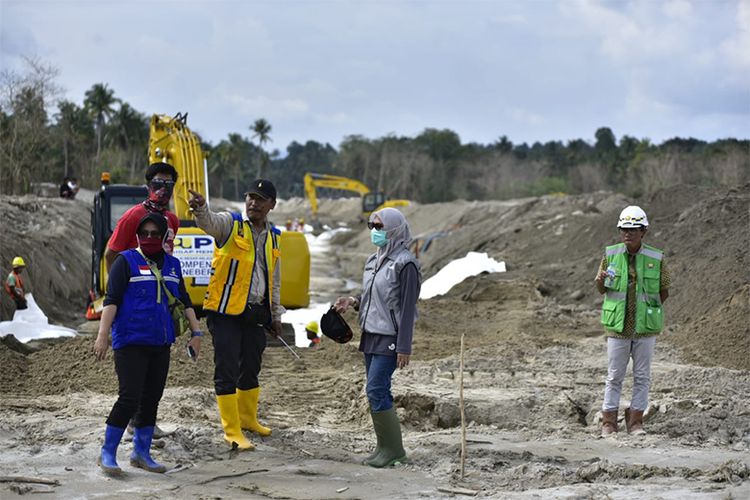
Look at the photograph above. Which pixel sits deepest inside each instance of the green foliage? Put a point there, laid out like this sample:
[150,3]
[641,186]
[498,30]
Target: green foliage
[41,143]
[547,185]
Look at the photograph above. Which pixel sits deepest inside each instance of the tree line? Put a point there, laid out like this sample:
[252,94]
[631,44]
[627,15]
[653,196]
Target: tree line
[44,138]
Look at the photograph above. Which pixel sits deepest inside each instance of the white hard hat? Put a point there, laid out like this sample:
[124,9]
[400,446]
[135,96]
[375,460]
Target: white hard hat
[632,216]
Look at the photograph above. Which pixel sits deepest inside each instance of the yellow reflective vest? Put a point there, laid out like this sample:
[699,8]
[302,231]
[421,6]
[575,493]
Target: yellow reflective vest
[232,269]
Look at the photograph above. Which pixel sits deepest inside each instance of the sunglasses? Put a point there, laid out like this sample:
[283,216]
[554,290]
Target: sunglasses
[374,225]
[630,229]
[149,234]
[161,183]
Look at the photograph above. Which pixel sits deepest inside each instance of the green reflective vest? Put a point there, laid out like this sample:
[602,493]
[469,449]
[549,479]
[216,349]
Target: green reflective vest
[649,318]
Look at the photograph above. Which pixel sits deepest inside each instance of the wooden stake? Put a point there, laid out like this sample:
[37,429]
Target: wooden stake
[461,406]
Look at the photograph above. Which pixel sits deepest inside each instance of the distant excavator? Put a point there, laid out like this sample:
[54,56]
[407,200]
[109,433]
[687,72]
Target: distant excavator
[371,200]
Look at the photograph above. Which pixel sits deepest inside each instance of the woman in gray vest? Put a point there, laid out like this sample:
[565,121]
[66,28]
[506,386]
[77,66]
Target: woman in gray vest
[387,311]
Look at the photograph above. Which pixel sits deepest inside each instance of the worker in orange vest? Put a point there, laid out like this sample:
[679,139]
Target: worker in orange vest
[14,284]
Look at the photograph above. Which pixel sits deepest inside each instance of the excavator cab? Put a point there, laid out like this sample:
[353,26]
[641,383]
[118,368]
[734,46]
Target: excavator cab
[110,203]
[372,201]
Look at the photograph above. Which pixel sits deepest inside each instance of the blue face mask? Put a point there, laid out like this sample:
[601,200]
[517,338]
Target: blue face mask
[378,237]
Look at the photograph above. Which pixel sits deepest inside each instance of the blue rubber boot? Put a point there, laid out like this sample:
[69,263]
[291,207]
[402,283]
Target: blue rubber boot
[141,456]
[108,458]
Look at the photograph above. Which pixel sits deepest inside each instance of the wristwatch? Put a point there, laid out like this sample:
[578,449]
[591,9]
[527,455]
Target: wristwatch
[196,333]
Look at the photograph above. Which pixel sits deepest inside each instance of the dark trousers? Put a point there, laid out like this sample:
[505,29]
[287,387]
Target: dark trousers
[239,342]
[142,374]
[20,303]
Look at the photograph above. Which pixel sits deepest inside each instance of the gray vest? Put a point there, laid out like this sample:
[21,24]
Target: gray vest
[380,307]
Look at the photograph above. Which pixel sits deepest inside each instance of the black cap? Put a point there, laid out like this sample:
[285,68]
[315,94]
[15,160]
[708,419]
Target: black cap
[262,187]
[160,168]
[334,327]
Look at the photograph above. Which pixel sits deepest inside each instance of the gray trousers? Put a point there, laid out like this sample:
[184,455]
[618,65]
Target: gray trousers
[619,352]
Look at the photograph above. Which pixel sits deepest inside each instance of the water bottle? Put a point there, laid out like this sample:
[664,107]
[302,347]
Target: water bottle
[609,281]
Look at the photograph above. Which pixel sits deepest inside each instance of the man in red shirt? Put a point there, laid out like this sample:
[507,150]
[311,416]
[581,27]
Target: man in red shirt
[161,178]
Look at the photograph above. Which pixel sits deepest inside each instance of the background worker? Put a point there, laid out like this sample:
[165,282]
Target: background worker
[136,308]
[242,301]
[387,312]
[635,281]
[160,178]
[69,188]
[14,284]
[311,329]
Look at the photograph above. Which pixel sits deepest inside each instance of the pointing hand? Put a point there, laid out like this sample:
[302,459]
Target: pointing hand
[196,199]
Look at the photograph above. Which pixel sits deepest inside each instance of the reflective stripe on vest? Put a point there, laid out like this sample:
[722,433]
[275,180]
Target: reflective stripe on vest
[616,249]
[651,252]
[616,295]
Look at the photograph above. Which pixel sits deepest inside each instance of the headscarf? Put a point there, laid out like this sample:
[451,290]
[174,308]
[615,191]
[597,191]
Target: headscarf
[397,231]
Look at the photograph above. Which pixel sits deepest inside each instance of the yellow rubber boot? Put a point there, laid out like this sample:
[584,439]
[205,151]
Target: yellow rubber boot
[248,404]
[230,421]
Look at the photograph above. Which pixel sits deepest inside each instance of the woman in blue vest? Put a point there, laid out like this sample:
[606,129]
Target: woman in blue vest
[635,283]
[387,312]
[137,311]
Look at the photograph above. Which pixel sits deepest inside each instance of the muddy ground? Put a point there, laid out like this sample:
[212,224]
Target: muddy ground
[534,367]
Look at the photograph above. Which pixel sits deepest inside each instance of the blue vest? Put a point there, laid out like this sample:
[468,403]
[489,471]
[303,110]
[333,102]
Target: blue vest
[140,320]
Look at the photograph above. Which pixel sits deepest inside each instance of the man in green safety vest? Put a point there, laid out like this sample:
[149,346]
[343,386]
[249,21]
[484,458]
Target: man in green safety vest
[635,283]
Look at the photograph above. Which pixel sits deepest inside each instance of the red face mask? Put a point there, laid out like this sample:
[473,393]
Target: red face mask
[150,246]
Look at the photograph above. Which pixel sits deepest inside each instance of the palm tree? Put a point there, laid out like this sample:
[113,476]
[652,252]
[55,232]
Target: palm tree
[261,129]
[99,100]
[66,122]
[130,130]
[235,152]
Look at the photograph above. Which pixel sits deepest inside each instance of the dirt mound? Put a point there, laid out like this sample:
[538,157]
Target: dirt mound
[557,243]
[54,238]
[13,373]
[707,243]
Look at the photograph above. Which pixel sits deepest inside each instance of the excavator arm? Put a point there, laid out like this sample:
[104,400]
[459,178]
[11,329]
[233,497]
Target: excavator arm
[171,141]
[314,181]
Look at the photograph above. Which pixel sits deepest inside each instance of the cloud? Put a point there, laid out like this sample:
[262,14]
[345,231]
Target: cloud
[510,19]
[677,9]
[736,48]
[266,106]
[333,118]
[526,116]
[322,70]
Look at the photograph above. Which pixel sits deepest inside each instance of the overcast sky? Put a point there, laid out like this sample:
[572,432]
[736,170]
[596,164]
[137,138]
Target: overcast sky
[322,70]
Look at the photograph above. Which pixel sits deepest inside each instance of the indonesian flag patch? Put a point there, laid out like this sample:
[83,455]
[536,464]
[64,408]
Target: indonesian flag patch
[145,270]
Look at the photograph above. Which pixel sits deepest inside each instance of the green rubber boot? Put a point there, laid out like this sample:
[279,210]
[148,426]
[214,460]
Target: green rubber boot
[388,430]
[378,446]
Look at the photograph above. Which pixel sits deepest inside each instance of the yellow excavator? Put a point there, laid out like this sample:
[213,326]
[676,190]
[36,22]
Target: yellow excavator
[171,141]
[371,200]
